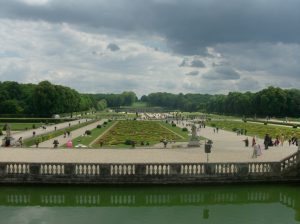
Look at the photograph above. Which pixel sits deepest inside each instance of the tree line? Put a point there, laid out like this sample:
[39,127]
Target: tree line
[44,99]
[267,102]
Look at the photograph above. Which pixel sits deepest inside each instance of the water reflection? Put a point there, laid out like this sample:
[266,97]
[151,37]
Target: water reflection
[206,199]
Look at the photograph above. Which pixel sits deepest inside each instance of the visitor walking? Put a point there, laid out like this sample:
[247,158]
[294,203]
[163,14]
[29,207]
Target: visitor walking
[253,141]
[246,142]
[267,141]
[55,143]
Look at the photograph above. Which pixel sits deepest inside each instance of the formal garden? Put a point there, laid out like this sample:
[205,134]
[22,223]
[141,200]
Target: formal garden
[140,133]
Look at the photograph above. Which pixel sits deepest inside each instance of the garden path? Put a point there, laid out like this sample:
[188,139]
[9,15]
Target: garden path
[74,134]
[49,128]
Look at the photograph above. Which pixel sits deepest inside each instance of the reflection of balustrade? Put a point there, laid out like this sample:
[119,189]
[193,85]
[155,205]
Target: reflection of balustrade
[53,199]
[18,199]
[122,199]
[286,200]
[87,199]
[258,196]
[152,198]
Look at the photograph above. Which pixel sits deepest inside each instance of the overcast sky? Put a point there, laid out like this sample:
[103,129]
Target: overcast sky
[202,46]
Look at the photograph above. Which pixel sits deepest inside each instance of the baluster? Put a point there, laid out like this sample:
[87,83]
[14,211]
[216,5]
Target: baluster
[125,169]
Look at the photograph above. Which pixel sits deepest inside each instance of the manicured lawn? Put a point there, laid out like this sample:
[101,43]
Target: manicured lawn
[31,141]
[184,134]
[139,131]
[96,132]
[21,126]
[138,105]
[256,129]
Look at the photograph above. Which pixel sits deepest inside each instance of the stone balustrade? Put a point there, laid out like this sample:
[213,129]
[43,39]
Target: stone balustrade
[154,173]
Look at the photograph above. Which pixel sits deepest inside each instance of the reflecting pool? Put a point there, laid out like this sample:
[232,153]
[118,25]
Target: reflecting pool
[143,205]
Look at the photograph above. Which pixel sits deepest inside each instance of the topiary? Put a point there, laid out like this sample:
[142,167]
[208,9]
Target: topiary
[99,126]
[88,132]
[173,125]
[295,126]
[184,129]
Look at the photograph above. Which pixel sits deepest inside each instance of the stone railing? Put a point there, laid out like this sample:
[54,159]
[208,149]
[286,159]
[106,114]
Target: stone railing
[290,162]
[142,173]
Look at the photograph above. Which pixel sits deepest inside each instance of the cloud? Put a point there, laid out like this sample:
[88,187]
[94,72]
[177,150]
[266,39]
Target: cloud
[113,47]
[193,73]
[183,63]
[73,42]
[197,64]
[182,24]
[222,73]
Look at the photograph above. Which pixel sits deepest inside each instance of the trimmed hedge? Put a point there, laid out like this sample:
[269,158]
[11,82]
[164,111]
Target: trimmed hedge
[34,120]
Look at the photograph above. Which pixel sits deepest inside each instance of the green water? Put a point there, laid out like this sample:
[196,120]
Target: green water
[144,205]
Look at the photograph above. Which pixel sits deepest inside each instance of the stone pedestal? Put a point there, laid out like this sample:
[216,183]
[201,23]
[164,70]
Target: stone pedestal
[194,143]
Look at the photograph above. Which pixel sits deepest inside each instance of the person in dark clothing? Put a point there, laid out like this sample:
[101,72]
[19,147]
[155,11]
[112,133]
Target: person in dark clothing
[267,141]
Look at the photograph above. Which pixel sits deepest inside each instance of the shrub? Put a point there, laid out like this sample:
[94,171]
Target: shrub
[109,120]
[173,125]
[295,126]
[213,125]
[1,133]
[184,129]
[234,129]
[128,142]
[105,122]
[33,126]
[265,123]
[88,132]
[99,126]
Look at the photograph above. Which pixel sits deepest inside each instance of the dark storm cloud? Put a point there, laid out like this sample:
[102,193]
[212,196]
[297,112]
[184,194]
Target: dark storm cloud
[189,26]
[113,47]
[222,73]
[193,73]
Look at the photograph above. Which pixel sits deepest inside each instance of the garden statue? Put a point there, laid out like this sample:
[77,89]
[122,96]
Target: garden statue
[194,140]
[8,139]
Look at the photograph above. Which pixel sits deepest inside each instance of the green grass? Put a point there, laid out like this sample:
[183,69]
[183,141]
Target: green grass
[138,105]
[21,126]
[184,134]
[31,141]
[259,130]
[96,132]
[138,131]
